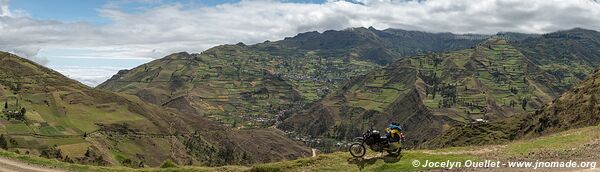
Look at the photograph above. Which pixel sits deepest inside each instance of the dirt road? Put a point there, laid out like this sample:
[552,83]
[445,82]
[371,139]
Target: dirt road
[8,165]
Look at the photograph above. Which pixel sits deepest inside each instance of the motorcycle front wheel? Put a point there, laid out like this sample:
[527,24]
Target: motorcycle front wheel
[357,150]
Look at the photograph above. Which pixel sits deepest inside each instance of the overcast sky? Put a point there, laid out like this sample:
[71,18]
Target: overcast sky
[90,40]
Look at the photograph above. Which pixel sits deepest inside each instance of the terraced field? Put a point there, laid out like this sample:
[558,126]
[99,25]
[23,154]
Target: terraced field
[255,86]
[46,114]
[431,93]
[234,84]
[489,82]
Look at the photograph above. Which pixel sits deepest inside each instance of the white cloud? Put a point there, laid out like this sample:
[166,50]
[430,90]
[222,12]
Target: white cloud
[163,29]
[91,76]
[4,8]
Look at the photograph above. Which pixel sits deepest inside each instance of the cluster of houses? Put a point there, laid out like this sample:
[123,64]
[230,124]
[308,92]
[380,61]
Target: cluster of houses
[13,113]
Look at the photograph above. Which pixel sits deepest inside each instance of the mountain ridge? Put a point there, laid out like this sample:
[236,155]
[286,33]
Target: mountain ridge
[490,81]
[46,114]
[574,109]
[266,84]
[256,85]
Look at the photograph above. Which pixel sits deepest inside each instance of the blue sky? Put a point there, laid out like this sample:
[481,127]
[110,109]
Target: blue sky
[72,62]
[64,10]
[90,40]
[86,10]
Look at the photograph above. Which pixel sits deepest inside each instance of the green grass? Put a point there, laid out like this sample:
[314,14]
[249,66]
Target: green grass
[373,161]
[53,163]
[36,143]
[343,161]
[65,141]
[406,163]
[48,130]
[17,128]
[168,164]
[564,140]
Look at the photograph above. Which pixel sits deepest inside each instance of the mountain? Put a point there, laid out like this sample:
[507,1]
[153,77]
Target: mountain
[525,85]
[377,46]
[574,109]
[46,114]
[571,110]
[252,86]
[428,94]
[577,45]
[572,49]
[515,36]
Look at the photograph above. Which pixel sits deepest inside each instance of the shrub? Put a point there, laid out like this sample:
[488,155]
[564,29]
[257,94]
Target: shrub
[265,169]
[168,164]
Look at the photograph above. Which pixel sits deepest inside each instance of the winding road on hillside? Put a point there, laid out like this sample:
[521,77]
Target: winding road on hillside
[9,165]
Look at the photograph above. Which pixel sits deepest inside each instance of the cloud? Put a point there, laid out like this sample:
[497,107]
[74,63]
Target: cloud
[91,76]
[4,8]
[164,28]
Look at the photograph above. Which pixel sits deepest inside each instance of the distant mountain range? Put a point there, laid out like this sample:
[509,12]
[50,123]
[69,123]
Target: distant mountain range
[228,104]
[430,93]
[254,86]
[335,84]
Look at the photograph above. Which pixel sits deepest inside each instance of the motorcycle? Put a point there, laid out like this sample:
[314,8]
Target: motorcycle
[376,142]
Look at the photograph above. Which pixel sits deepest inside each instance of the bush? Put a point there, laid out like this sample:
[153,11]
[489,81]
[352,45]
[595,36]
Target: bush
[3,142]
[168,164]
[265,169]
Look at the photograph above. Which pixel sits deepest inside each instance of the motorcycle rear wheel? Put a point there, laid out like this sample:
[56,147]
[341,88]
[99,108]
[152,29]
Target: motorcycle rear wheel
[357,150]
[395,151]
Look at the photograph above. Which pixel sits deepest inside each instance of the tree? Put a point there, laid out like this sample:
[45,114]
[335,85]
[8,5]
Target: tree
[23,111]
[524,104]
[52,152]
[3,142]
[434,89]
[514,90]
[68,159]
[592,104]
[234,123]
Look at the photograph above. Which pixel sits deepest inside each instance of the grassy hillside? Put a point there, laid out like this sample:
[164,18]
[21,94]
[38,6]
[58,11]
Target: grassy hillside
[430,93]
[576,145]
[574,109]
[252,86]
[46,114]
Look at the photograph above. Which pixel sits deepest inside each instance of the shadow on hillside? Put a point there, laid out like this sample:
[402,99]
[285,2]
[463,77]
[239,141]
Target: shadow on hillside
[363,162]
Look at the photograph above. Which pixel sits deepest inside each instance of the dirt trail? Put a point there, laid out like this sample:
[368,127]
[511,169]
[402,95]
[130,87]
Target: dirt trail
[476,151]
[8,165]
